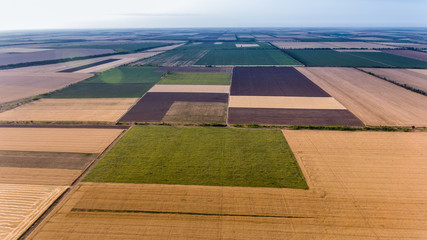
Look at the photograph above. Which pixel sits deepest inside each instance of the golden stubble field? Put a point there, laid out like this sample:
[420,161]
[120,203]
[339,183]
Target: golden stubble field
[411,77]
[363,185]
[373,100]
[285,102]
[22,204]
[72,109]
[79,140]
[17,85]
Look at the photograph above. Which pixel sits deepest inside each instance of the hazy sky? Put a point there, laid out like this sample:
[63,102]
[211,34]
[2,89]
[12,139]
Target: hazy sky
[74,14]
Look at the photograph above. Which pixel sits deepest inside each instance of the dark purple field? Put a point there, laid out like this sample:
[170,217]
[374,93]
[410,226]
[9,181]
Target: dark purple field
[14,58]
[195,69]
[408,53]
[89,65]
[153,106]
[312,117]
[273,81]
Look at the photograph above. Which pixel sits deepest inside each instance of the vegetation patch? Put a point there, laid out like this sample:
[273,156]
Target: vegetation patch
[193,78]
[200,156]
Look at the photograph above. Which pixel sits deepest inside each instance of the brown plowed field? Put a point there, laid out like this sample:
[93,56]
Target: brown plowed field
[39,176]
[373,100]
[315,117]
[402,76]
[153,106]
[285,102]
[17,85]
[16,159]
[409,53]
[363,185]
[79,140]
[75,109]
[196,112]
[195,69]
[273,81]
[190,88]
[21,205]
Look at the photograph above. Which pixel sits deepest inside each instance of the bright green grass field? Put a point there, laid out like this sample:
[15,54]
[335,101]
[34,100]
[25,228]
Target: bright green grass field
[201,156]
[115,83]
[195,78]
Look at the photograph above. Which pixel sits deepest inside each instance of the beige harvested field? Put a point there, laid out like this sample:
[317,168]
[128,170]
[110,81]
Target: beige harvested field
[191,88]
[413,78]
[333,45]
[21,50]
[75,109]
[196,112]
[162,49]
[284,102]
[80,140]
[374,101]
[357,50]
[411,45]
[39,176]
[363,185]
[246,45]
[16,85]
[422,71]
[21,205]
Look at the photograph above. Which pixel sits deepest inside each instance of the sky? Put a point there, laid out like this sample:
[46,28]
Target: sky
[90,14]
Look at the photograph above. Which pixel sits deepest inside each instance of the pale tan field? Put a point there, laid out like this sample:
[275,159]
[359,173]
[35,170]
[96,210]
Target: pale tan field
[191,88]
[247,45]
[16,85]
[21,205]
[415,79]
[196,112]
[75,109]
[373,100]
[302,45]
[356,50]
[39,176]
[80,140]
[422,71]
[21,50]
[162,49]
[284,102]
[363,185]
[412,45]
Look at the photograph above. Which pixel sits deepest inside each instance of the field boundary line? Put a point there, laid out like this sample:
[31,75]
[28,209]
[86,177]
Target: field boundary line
[61,199]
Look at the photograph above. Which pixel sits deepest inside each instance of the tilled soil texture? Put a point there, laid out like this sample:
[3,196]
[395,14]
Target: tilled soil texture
[78,140]
[273,81]
[411,78]
[315,117]
[21,205]
[409,53]
[196,112]
[374,101]
[153,106]
[195,69]
[18,159]
[363,185]
[17,85]
[74,109]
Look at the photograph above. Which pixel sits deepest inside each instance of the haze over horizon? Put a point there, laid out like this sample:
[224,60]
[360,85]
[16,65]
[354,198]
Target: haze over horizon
[79,14]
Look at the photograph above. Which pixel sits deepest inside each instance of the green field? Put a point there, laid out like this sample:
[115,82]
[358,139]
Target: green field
[197,78]
[391,60]
[117,82]
[331,58]
[246,56]
[125,47]
[221,54]
[200,156]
